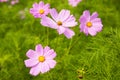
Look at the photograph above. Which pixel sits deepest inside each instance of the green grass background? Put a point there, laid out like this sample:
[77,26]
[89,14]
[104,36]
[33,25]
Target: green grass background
[99,55]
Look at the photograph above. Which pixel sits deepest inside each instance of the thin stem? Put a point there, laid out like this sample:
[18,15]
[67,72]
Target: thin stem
[68,50]
[56,42]
[75,41]
[47,36]
[72,45]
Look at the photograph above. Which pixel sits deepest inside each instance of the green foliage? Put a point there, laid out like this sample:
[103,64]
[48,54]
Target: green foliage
[99,56]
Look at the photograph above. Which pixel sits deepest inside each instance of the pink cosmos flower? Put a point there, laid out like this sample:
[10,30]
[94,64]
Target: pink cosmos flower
[61,22]
[40,60]
[40,10]
[3,0]
[90,24]
[13,2]
[74,3]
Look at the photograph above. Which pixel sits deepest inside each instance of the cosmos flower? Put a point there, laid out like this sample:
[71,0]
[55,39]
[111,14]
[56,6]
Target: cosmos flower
[40,60]
[90,24]
[74,3]
[61,22]
[13,2]
[40,10]
[3,0]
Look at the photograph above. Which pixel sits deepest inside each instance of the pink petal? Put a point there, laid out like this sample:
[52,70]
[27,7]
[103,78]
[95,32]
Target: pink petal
[38,15]
[31,54]
[46,21]
[98,26]
[86,14]
[61,29]
[41,4]
[54,14]
[50,54]
[85,30]
[82,25]
[39,49]
[31,62]
[36,69]
[83,19]
[47,6]
[70,24]
[51,63]
[74,3]
[69,33]
[44,67]
[35,5]
[94,15]
[92,31]
[46,49]
[65,13]
[70,18]
[33,11]
[96,20]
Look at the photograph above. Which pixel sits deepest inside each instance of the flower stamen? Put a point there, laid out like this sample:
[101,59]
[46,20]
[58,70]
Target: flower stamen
[89,24]
[41,11]
[41,59]
[59,23]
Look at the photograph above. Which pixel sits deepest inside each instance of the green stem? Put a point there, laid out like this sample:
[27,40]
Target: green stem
[47,36]
[75,42]
[72,45]
[68,50]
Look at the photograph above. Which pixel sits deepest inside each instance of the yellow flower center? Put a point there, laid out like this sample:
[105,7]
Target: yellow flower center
[89,24]
[41,59]
[41,11]
[59,23]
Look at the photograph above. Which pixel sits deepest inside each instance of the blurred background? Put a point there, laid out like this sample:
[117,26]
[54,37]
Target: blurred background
[98,58]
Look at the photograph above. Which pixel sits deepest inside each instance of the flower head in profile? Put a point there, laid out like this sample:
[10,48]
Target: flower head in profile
[61,22]
[40,10]
[90,24]
[40,60]
[74,3]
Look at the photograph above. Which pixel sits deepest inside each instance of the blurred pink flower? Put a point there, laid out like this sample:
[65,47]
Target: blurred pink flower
[90,24]
[40,60]
[61,22]
[74,3]
[13,2]
[3,0]
[40,10]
